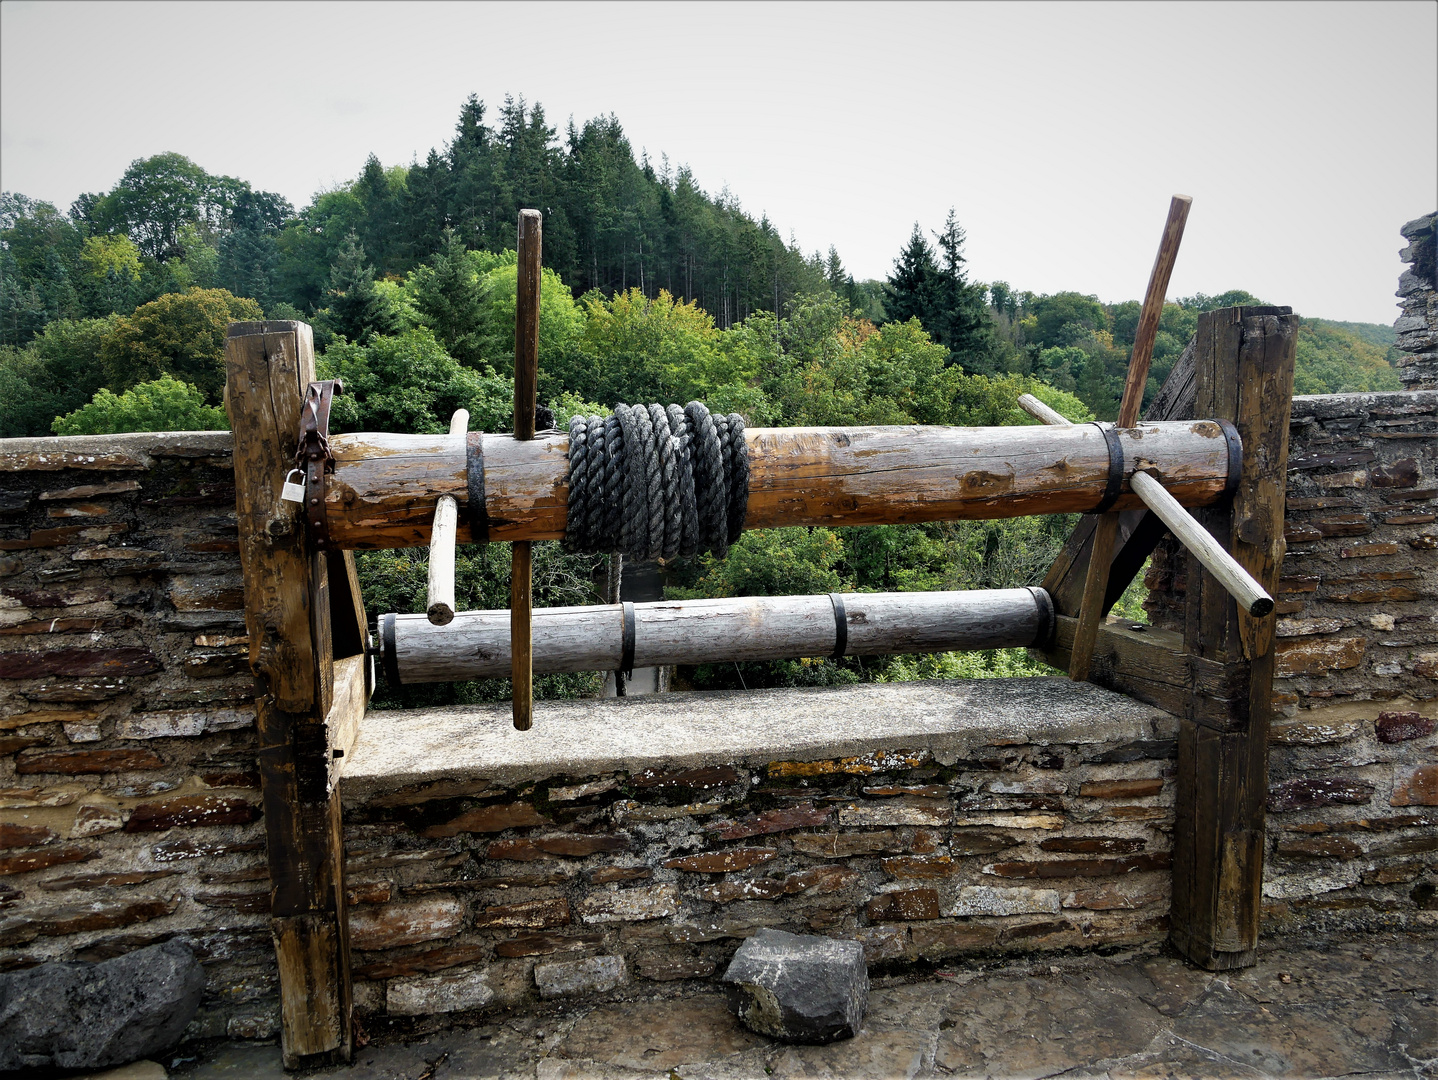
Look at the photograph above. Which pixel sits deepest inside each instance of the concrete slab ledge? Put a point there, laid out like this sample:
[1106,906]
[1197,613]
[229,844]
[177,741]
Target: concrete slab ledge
[953,720]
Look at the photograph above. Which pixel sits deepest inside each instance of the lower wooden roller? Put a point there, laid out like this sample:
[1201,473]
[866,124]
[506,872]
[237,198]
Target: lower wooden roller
[476,644]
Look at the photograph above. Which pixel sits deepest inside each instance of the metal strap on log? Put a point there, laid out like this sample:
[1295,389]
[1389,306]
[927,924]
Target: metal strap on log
[615,636]
[385,487]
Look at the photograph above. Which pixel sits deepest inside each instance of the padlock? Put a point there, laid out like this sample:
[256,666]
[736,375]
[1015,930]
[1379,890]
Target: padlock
[294,490]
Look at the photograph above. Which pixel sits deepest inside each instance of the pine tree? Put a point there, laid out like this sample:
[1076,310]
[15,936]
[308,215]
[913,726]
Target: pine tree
[911,285]
[450,296]
[357,309]
[959,319]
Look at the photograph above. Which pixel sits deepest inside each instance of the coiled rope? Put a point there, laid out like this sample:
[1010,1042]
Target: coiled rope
[656,482]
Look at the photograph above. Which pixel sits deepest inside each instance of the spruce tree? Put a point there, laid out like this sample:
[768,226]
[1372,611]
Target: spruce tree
[450,296]
[357,309]
[911,285]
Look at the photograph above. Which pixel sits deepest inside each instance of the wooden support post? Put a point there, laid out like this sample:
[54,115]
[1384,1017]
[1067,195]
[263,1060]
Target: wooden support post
[1243,372]
[526,378]
[1096,581]
[288,615]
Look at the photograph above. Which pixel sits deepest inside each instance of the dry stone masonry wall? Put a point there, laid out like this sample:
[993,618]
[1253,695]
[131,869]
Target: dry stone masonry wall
[128,786]
[1353,766]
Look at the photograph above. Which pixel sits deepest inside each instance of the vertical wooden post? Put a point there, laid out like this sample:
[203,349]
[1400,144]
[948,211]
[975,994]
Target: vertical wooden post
[526,378]
[268,365]
[1244,373]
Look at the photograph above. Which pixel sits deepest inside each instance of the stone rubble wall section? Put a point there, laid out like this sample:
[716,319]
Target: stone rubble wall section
[1417,326]
[1353,765]
[129,796]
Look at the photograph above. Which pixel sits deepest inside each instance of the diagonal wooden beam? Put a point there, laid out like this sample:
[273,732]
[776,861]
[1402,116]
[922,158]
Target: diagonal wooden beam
[1106,529]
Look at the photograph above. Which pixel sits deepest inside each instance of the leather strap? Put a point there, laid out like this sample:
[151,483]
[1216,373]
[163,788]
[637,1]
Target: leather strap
[841,626]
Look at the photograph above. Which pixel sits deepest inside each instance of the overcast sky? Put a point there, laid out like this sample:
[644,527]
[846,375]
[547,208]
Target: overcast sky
[1306,133]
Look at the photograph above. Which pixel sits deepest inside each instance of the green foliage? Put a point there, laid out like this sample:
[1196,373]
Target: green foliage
[357,308]
[407,383]
[449,297]
[54,374]
[179,334]
[163,405]
[930,284]
[397,580]
[771,562]
[1335,360]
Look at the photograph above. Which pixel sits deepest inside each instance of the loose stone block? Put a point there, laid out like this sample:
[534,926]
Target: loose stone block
[1415,785]
[1110,896]
[543,944]
[799,988]
[183,723]
[1397,727]
[87,1016]
[988,900]
[630,905]
[424,994]
[593,975]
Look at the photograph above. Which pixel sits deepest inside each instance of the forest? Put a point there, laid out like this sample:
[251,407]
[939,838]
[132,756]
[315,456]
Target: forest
[113,315]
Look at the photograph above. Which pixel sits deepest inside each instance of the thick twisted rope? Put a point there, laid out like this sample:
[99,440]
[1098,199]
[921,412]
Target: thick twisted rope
[656,482]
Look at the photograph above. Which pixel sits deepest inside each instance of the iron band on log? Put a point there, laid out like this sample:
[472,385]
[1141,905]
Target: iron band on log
[384,487]
[476,644]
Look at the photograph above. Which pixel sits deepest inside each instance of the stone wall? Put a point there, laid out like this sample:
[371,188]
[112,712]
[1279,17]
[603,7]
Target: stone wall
[1353,767]
[1417,327]
[128,788]
[643,839]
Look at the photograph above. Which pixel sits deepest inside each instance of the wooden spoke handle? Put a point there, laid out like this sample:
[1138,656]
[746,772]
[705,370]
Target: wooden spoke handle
[440,607]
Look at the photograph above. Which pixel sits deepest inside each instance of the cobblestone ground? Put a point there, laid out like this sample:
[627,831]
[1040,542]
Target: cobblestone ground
[1350,1007]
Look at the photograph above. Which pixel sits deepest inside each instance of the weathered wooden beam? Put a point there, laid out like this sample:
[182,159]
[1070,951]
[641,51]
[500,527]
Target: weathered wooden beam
[1244,372]
[291,622]
[384,487]
[476,644]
